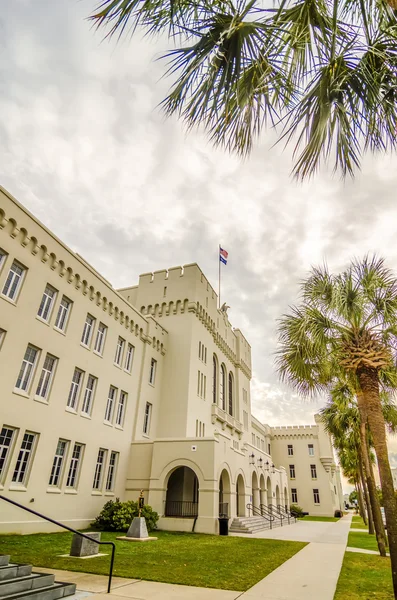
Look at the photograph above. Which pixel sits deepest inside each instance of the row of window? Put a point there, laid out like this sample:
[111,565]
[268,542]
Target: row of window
[257,441]
[290,449]
[226,387]
[201,385]
[313,471]
[200,428]
[25,456]
[202,353]
[294,496]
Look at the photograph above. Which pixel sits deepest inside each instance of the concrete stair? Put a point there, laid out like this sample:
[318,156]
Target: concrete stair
[18,581]
[252,524]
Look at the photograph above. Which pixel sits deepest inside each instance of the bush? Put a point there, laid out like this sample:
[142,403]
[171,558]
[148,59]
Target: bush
[338,514]
[117,516]
[296,510]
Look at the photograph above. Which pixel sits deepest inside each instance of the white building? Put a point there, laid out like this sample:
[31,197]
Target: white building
[108,392]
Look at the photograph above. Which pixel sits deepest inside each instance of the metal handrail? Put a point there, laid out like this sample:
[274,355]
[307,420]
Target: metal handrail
[258,513]
[283,512]
[264,509]
[280,515]
[287,512]
[34,512]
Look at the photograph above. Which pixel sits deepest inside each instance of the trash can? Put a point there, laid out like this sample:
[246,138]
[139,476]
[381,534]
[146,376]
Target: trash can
[223,525]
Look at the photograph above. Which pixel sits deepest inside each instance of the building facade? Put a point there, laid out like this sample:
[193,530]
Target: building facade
[106,392]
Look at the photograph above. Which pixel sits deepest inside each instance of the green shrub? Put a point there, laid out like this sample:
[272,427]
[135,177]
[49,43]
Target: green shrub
[296,510]
[117,516]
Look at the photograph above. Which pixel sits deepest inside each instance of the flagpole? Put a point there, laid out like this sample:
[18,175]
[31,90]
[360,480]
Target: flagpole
[219,276]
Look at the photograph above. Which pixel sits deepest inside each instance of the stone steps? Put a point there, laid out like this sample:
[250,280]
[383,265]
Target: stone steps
[253,524]
[19,582]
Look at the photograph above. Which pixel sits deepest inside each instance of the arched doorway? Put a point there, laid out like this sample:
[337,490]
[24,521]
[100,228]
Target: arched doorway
[277,496]
[182,493]
[255,490]
[285,499]
[262,489]
[224,493]
[269,491]
[240,496]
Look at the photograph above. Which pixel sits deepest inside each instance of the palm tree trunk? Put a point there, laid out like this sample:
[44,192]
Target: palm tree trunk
[376,492]
[370,479]
[369,383]
[361,507]
[366,494]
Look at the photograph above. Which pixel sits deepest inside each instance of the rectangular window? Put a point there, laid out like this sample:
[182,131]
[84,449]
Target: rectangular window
[129,358]
[24,459]
[100,338]
[294,495]
[258,441]
[6,439]
[112,471]
[268,449]
[146,420]
[311,449]
[47,303]
[13,281]
[74,392]
[313,471]
[3,256]
[292,471]
[74,467]
[152,376]
[63,314]
[57,464]
[27,369]
[87,331]
[253,438]
[205,355]
[290,450]
[121,408]
[110,404]
[2,336]
[46,376]
[316,496]
[200,350]
[119,351]
[89,395]
[245,396]
[245,420]
[97,484]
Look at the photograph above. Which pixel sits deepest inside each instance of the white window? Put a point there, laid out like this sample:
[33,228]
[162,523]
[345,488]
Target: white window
[87,331]
[63,314]
[2,336]
[313,471]
[292,471]
[57,463]
[290,450]
[121,408]
[3,256]
[311,449]
[316,496]
[13,281]
[129,357]
[97,484]
[222,388]
[146,420]
[24,459]
[27,369]
[47,302]
[100,338]
[110,404]
[74,467]
[75,389]
[46,376]
[294,495]
[112,471]
[6,440]
[89,395]
[119,351]
[153,366]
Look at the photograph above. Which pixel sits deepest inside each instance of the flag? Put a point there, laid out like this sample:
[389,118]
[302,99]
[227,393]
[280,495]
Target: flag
[223,255]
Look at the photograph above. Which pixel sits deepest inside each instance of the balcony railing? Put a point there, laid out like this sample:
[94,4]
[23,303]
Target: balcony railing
[181,508]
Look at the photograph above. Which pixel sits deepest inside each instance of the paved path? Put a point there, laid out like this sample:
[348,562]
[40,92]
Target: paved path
[363,551]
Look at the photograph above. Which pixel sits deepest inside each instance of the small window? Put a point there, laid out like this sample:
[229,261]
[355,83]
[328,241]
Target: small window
[75,466]
[268,449]
[146,420]
[63,314]
[58,463]
[27,369]
[3,257]
[74,391]
[316,496]
[46,376]
[290,450]
[47,303]
[100,463]
[253,438]
[2,336]
[245,396]
[245,420]
[311,449]
[129,358]
[87,331]
[114,456]
[121,409]
[313,471]
[14,281]
[110,404]
[22,467]
[6,442]
[294,495]
[119,351]
[100,338]
[222,388]
[231,399]
[153,366]
[89,395]
[292,471]
[165,291]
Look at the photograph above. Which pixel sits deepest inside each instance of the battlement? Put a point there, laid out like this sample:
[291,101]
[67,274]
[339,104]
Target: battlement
[190,271]
[292,428]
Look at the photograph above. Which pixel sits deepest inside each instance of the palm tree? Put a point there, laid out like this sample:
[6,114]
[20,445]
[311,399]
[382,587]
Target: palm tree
[324,72]
[347,323]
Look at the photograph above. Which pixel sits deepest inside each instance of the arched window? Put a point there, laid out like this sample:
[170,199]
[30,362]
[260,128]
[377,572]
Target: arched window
[222,388]
[230,394]
[214,379]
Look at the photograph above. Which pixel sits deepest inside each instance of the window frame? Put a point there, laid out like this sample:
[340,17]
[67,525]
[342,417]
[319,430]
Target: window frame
[6,451]
[90,328]
[75,406]
[292,470]
[58,466]
[129,357]
[111,402]
[22,371]
[45,306]
[17,289]
[50,377]
[310,447]
[313,469]
[112,471]
[294,495]
[121,408]
[91,391]
[153,371]
[100,466]
[103,333]
[316,493]
[290,449]
[22,460]
[66,314]
[77,470]
[147,418]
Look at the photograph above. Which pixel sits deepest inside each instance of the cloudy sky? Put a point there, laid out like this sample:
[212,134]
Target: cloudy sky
[85,148]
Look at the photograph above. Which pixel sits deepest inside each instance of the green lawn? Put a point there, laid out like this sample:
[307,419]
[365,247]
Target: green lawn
[230,563]
[362,540]
[325,519]
[364,577]
[358,523]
